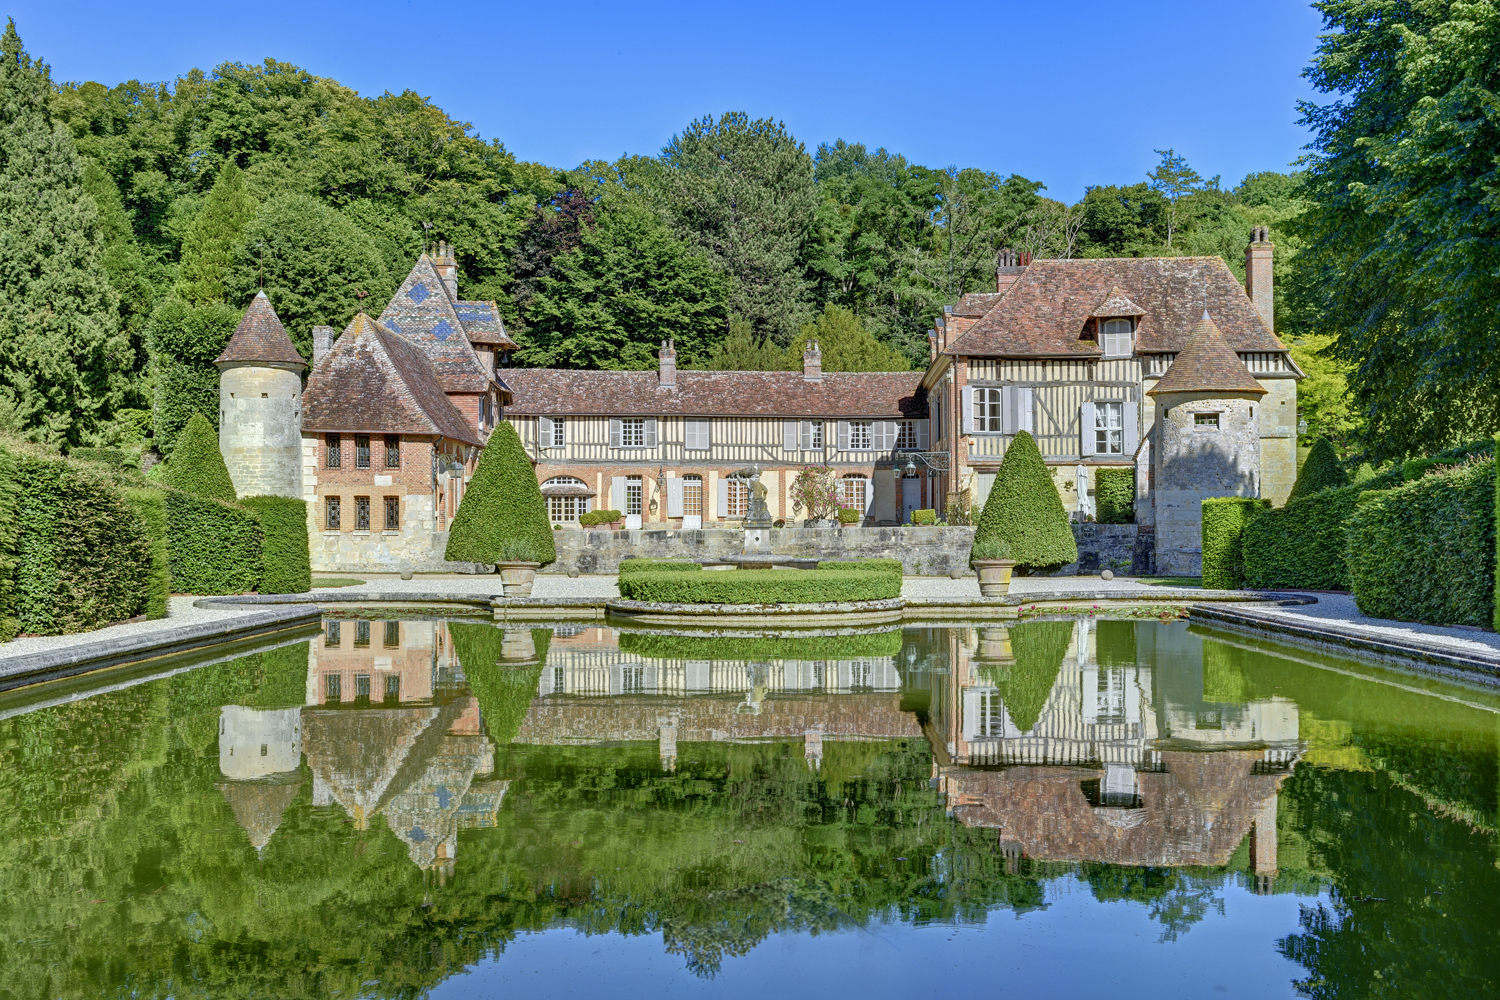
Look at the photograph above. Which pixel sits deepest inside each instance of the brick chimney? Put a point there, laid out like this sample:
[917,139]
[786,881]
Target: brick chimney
[1258,275]
[1009,266]
[812,362]
[447,268]
[667,358]
[322,342]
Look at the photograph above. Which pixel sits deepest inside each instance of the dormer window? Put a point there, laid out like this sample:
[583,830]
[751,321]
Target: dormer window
[1115,337]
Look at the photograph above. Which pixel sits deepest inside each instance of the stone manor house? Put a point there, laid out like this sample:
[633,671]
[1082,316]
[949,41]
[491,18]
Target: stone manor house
[1166,366]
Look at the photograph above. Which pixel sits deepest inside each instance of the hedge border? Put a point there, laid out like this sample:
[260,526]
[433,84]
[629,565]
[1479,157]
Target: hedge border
[1224,520]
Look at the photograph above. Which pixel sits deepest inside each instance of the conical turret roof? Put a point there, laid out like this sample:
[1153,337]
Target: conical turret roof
[260,337]
[258,806]
[1207,364]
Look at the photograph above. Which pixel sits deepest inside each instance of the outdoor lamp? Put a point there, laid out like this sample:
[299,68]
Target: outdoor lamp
[1302,426]
[896,473]
[911,467]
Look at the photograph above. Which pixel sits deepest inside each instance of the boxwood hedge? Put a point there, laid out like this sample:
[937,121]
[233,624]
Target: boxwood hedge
[1301,546]
[1426,551]
[1114,494]
[285,564]
[823,647]
[150,508]
[1224,521]
[214,546]
[760,586]
[873,565]
[628,566]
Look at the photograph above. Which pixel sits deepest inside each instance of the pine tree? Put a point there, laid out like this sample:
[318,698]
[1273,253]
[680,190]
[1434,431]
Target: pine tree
[1024,512]
[196,465]
[742,351]
[1320,471]
[63,360]
[208,248]
[503,517]
[846,343]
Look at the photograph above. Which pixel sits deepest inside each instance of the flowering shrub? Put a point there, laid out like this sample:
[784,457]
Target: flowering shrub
[815,490]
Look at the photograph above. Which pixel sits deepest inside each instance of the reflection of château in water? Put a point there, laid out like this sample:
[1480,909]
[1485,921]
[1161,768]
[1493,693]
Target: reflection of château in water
[389,729]
[1075,750]
[592,691]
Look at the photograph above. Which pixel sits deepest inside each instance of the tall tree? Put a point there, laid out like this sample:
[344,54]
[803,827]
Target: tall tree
[63,360]
[1172,179]
[846,345]
[214,236]
[744,191]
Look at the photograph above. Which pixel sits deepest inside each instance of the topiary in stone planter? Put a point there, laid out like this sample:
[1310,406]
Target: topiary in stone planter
[1024,513]
[503,519]
[991,561]
[516,577]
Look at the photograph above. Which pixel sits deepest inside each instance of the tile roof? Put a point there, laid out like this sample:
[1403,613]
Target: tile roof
[1117,303]
[260,337]
[769,394]
[422,312]
[976,303]
[1045,311]
[483,324]
[372,380]
[1206,364]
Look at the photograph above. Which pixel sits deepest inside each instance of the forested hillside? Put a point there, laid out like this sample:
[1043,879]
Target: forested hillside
[734,239]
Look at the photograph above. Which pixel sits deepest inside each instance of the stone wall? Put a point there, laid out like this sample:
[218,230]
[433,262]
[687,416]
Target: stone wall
[1127,549]
[1195,462]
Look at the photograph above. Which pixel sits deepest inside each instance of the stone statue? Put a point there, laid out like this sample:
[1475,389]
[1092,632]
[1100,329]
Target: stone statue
[759,515]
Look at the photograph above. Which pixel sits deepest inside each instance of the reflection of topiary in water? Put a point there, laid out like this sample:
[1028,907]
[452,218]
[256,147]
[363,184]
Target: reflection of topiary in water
[504,691]
[1039,649]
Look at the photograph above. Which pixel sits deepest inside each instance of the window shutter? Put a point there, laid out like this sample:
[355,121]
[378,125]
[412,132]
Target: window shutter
[650,432]
[869,498]
[806,431]
[843,435]
[617,493]
[698,435]
[789,435]
[544,432]
[1026,408]
[723,498]
[1086,436]
[614,434]
[1132,427]
[921,435]
[968,409]
[674,497]
[1008,422]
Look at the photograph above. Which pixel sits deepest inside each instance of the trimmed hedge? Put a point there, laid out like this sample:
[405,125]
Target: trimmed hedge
[872,565]
[1495,623]
[285,564]
[823,647]
[850,515]
[1320,471]
[112,457]
[503,516]
[214,547]
[760,586]
[1114,492]
[196,466]
[658,566]
[1025,511]
[1224,521]
[1301,546]
[1426,551]
[924,517]
[594,517]
[150,508]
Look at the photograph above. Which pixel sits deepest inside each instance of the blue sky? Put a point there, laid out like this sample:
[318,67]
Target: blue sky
[1067,93]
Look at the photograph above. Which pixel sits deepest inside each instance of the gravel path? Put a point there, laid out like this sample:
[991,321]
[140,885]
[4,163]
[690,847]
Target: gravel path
[1339,609]
[180,611]
[547,585]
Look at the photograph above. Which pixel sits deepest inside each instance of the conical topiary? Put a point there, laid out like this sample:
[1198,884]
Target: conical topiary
[1024,514]
[196,466]
[503,517]
[1025,685]
[1320,471]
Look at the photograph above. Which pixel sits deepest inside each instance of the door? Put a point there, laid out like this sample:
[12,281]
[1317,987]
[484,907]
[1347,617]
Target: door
[911,498]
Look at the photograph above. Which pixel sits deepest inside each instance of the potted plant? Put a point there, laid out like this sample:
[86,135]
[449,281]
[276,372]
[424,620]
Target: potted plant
[849,516]
[1023,522]
[815,489]
[503,518]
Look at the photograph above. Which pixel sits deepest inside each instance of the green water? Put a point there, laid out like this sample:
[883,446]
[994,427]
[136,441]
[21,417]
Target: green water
[398,809]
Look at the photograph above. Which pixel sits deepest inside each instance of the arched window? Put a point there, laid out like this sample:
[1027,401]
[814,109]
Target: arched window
[1114,337]
[736,498]
[566,498]
[692,495]
[853,492]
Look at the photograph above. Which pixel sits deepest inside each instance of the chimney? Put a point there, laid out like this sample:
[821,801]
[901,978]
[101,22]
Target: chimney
[1009,266]
[1258,274]
[812,362]
[322,342]
[667,358]
[447,268]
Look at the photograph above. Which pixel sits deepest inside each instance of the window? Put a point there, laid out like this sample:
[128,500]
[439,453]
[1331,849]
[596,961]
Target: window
[361,513]
[633,494]
[392,635]
[989,411]
[860,435]
[991,721]
[1109,428]
[633,679]
[334,639]
[361,687]
[852,492]
[331,514]
[333,451]
[812,435]
[906,434]
[566,508]
[361,451]
[692,496]
[333,684]
[392,687]
[698,435]
[1114,336]
[559,432]
[633,435]
[1205,421]
[736,498]
[392,513]
[362,633]
[393,451]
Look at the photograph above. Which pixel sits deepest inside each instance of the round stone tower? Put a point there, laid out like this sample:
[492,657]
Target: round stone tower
[260,405]
[1207,443]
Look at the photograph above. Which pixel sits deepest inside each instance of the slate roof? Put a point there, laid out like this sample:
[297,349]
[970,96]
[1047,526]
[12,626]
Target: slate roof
[1206,364]
[557,392]
[1044,313]
[372,380]
[422,312]
[260,337]
[483,324]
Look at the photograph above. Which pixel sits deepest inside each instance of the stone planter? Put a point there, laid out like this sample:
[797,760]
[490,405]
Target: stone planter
[994,576]
[994,646]
[516,577]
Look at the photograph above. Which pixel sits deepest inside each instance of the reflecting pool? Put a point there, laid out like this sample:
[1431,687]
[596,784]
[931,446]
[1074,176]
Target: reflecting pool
[403,808]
